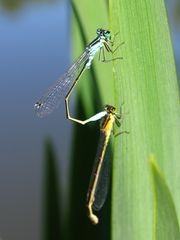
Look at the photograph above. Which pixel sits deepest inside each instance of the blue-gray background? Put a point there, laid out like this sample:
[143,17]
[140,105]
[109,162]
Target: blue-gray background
[34,51]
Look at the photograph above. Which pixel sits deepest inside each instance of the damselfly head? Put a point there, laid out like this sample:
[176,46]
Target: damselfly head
[110,109]
[104,33]
[107,34]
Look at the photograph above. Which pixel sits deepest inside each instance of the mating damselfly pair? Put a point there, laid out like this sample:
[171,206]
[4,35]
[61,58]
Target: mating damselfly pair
[62,89]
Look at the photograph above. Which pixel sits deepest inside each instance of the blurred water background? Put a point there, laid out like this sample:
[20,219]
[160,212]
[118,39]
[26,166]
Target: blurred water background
[35,49]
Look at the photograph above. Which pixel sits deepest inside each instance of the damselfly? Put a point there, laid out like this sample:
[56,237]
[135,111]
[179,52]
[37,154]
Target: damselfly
[98,186]
[64,86]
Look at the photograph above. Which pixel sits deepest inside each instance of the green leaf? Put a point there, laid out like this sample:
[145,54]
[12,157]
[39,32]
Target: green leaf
[52,224]
[165,219]
[145,80]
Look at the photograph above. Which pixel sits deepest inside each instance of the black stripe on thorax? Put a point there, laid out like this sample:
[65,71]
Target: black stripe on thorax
[94,42]
[105,121]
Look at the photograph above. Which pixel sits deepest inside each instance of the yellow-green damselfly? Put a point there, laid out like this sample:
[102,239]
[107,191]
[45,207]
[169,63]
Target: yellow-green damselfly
[98,186]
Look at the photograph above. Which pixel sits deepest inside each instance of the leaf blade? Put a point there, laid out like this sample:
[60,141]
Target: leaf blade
[165,219]
[146,81]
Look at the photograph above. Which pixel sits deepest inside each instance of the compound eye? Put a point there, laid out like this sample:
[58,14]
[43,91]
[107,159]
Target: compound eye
[98,31]
[113,109]
[107,34]
[106,107]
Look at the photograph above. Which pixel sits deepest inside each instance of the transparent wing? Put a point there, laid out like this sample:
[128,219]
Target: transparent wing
[104,173]
[103,180]
[60,88]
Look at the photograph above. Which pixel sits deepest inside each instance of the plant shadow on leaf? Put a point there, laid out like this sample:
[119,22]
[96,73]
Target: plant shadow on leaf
[84,150]
[85,144]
